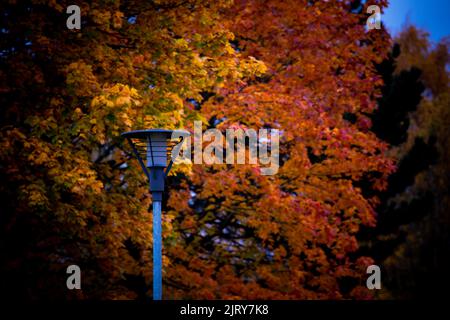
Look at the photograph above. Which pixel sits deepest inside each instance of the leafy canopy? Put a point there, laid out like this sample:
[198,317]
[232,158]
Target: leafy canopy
[72,194]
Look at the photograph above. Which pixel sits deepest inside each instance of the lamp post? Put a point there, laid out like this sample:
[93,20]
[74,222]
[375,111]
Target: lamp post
[153,149]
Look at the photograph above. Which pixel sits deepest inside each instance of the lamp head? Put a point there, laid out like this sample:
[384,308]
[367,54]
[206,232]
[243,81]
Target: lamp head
[153,149]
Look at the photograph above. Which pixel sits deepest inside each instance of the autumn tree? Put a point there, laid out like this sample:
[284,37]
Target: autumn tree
[68,195]
[289,236]
[71,194]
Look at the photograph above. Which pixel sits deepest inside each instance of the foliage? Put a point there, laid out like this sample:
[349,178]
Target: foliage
[71,194]
[411,237]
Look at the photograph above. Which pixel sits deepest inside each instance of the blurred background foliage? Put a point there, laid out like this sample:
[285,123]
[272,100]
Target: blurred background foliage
[412,238]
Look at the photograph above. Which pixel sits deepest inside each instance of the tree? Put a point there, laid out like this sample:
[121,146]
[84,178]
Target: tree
[67,95]
[409,240]
[72,194]
[289,236]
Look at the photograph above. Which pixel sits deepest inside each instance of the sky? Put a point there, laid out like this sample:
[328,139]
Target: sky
[431,15]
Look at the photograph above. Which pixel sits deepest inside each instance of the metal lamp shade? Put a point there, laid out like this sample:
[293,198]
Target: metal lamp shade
[153,147]
[156,155]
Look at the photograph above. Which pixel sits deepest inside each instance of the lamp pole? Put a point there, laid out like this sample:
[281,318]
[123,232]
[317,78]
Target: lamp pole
[157,251]
[157,177]
[153,148]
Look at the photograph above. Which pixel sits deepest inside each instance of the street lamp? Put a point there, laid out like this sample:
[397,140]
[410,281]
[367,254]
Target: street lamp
[153,149]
